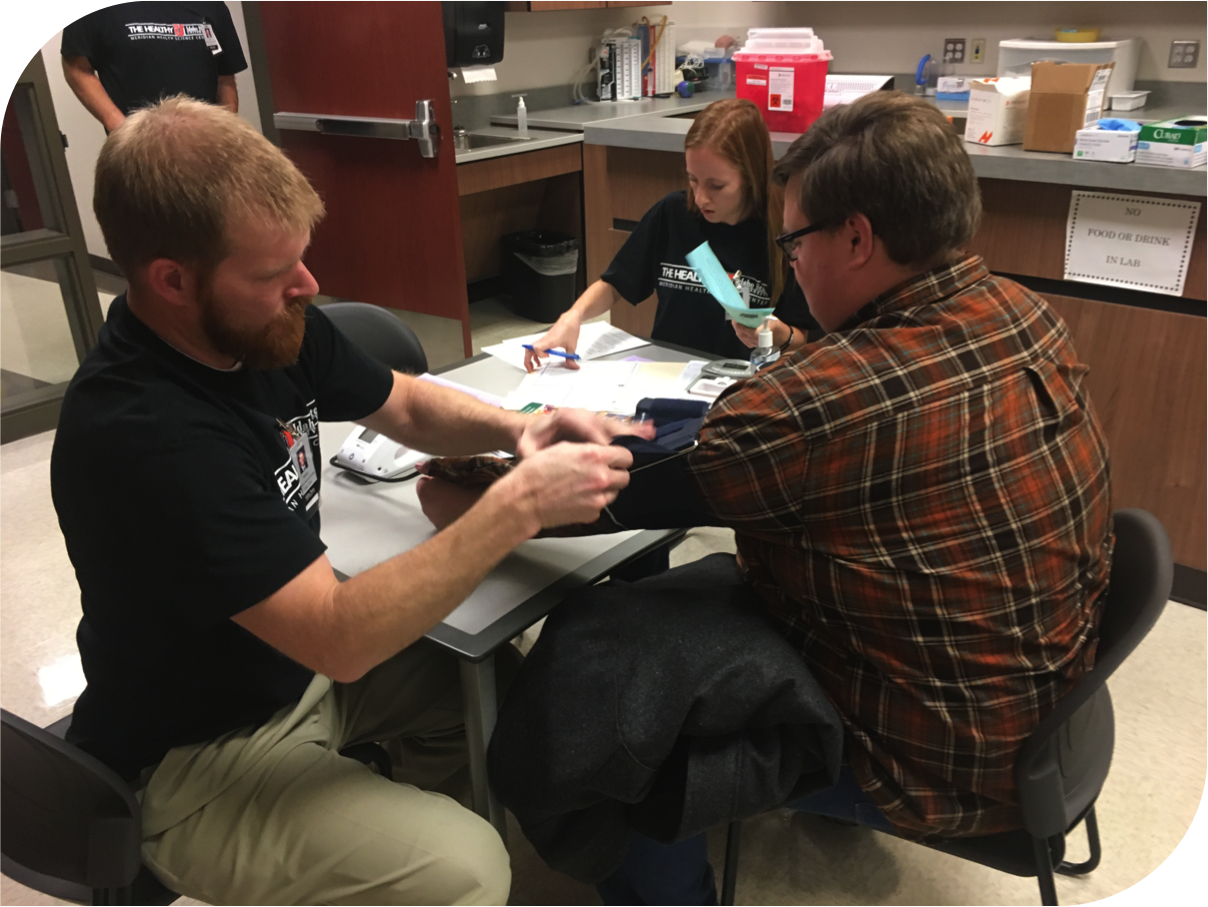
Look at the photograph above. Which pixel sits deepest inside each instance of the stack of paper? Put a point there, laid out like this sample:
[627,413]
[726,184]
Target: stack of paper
[596,339]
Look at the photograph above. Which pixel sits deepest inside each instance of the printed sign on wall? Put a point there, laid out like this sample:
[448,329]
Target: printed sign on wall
[1130,241]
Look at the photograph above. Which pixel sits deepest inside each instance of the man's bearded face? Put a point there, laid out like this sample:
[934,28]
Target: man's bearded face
[273,345]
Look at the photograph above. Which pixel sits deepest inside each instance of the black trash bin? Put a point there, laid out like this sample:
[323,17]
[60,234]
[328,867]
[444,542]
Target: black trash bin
[540,268]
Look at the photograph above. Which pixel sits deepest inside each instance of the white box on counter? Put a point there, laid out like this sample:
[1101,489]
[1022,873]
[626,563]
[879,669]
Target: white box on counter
[1095,144]
[998,110]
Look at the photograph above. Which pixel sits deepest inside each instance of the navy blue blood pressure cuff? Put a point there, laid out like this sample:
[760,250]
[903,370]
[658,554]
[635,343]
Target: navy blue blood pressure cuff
[661,494]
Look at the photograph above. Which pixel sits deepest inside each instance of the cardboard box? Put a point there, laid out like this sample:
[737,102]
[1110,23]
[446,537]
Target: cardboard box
[997,111]
[1095,144]
[1174,143]
[1066,97]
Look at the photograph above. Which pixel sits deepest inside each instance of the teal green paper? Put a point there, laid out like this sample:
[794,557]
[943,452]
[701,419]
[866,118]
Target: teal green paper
[718,283]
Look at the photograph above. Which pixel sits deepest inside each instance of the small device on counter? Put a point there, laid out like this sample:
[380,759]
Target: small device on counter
[374,456]
[727,368]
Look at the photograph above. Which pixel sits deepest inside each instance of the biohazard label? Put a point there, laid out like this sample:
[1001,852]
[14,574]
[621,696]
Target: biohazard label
[780,89]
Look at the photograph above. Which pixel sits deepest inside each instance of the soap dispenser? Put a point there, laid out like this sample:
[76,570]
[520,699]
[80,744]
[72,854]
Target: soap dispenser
[521,116]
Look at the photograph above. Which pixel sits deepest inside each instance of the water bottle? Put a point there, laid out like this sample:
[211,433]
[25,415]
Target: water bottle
[765,353]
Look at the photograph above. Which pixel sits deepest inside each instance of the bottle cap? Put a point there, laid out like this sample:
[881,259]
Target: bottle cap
[765,337]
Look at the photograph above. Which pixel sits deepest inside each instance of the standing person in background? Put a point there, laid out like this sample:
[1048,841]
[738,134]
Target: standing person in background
[731,203]
[128,56]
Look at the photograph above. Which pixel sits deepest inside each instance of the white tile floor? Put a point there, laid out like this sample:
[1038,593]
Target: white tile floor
[1146,807]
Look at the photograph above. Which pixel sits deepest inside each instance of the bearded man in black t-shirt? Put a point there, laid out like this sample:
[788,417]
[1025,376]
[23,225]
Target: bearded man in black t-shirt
[226,665]
[129,55]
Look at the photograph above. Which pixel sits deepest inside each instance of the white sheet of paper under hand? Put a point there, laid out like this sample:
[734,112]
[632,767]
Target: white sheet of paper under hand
[704,262]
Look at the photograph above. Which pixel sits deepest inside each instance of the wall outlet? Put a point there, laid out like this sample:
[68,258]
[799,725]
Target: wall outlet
[1184,55]
[978,53]
[954,50]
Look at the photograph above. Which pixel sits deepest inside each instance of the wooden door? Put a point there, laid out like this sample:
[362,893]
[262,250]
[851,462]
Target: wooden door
[392,235]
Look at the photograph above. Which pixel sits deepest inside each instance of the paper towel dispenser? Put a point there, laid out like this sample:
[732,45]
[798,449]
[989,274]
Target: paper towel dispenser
[473,34]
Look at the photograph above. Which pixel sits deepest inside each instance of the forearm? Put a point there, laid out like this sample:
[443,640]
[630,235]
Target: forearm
[595,301]
[444,422]
[228,94]
[381,611]
[783,333]
[91,93]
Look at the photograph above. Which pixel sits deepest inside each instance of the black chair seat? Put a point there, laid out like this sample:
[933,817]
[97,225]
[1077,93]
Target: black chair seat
[1062,766]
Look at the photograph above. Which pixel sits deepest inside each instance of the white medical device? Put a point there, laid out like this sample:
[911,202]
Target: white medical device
[374,456]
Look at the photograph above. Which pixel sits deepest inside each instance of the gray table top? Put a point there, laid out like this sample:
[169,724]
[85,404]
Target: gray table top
[365,524]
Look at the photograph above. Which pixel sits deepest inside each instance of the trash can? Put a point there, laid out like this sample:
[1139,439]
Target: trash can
[539,267]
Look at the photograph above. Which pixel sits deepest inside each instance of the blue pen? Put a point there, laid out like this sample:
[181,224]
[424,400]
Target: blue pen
[575,356]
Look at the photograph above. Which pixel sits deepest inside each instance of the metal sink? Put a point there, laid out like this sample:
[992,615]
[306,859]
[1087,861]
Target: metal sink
[472,141]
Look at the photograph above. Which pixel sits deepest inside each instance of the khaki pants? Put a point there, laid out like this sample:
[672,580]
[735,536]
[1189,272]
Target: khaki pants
[274,815]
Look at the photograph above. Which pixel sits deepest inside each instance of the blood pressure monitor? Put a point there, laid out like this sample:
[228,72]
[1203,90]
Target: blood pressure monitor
[374,456]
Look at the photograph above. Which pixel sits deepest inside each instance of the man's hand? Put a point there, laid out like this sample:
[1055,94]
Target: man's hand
[566,483]
[564,333]
[576,425]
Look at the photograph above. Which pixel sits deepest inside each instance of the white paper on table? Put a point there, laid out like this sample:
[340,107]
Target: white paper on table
[596,386]
[596,339]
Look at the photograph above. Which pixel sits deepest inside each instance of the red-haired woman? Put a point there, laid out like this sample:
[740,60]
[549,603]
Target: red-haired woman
[731,203]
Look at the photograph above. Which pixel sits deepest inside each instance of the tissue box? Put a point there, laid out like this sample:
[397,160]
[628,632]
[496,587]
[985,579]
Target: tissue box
[952,88]
[997,111]
[1174,143]
[1095,144]
[1066,97]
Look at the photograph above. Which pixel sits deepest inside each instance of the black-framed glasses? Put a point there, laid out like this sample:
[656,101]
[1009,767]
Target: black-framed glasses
[788,241]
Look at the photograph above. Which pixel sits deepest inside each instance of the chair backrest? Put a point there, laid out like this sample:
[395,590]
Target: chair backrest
[1063,764]
[380,334]
[68,823]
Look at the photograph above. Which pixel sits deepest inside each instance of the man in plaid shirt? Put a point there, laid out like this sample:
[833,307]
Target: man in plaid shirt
[921,498]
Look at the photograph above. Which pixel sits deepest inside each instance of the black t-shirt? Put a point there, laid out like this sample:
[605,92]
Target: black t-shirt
[181,507]
[146,51]
[654,259]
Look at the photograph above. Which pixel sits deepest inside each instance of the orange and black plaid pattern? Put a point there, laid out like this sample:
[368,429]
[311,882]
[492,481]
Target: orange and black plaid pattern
[922,499]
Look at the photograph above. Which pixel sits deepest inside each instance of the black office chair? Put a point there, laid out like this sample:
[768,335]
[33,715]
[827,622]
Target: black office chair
[70,827]
[1063,764]
[379,333]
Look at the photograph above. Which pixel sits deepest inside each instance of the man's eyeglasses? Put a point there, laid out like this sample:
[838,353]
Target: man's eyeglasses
[788,241]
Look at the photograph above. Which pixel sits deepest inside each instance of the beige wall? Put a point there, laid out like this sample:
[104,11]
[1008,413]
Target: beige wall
[85,135]
[550,48]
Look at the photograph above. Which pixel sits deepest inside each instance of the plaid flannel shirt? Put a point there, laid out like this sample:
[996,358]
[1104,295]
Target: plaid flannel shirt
[922,500]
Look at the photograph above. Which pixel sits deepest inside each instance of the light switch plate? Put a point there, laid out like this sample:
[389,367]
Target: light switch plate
[978,52]
[1184,55]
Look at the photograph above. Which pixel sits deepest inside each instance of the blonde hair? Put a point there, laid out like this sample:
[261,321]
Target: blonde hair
[735,130]
[175,175]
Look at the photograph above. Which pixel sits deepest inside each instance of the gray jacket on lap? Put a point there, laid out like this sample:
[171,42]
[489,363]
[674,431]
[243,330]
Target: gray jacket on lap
[663,706]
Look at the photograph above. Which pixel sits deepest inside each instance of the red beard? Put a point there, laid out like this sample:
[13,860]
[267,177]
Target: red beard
[275,345]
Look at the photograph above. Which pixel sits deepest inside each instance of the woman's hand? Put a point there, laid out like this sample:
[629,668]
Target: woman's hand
[750,336]
[564,333]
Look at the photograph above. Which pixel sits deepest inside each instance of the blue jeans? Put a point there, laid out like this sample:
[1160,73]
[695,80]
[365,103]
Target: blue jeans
[655,873]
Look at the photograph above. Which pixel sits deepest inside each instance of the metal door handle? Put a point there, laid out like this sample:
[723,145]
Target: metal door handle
[423,129]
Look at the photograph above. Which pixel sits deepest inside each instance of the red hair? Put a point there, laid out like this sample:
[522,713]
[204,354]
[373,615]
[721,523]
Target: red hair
[735,130]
